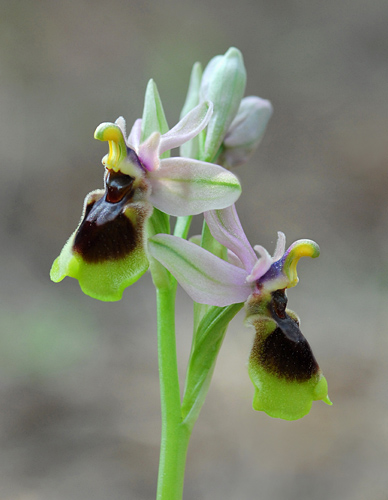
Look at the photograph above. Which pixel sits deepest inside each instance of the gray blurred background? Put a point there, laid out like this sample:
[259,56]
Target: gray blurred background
[79,395]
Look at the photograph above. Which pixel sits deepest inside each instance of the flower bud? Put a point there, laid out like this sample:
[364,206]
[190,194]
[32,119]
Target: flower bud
[245,132]
[223,83]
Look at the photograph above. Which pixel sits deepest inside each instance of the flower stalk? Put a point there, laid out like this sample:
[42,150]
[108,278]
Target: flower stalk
[175,435]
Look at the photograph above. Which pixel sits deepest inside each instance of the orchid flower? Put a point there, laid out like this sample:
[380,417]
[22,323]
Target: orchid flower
[211,280]
[107,252]
[282,367]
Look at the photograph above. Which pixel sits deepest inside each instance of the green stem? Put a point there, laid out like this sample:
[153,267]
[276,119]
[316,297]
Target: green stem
[175,434]
[182,226]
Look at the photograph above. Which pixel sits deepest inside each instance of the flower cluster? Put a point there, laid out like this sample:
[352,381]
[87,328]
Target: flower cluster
[117,235]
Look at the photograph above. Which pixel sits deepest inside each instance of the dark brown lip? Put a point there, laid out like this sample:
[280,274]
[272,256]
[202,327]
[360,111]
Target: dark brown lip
[105,232]
[285,352]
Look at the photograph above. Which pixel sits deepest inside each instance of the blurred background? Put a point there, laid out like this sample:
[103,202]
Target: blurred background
[79,396]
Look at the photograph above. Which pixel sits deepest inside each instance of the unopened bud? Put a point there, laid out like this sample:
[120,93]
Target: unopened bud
[223,83]
[245,132]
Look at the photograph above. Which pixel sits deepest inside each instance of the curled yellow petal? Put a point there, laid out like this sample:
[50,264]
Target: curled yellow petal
[301,248]
[117,148]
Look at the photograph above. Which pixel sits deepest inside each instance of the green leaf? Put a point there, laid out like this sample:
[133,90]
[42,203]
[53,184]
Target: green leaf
[207,341]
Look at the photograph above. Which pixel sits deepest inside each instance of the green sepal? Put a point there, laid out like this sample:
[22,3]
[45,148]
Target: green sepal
[192,97]
[154,118]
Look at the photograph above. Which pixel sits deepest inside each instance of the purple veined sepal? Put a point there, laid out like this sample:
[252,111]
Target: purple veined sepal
[214,281]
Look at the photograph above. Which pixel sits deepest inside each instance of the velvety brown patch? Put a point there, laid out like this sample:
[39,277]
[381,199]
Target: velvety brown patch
[285,352]
[105,232]
[287,359]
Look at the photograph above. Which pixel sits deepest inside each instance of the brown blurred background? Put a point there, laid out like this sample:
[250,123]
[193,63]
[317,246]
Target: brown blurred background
[79,395]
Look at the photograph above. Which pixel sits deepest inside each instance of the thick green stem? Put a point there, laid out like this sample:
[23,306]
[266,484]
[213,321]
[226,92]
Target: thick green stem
[175,434]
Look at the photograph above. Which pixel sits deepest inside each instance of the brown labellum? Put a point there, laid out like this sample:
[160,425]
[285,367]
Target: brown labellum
[106,233]
[284,352]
